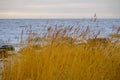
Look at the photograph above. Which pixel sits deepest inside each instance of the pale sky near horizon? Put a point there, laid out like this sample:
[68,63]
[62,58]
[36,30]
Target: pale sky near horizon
[59,8]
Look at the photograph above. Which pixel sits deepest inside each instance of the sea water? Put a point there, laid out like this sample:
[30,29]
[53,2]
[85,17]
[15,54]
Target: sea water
[11,29]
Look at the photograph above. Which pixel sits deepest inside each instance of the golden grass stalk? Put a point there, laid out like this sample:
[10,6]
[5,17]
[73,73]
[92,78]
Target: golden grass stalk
[62,54]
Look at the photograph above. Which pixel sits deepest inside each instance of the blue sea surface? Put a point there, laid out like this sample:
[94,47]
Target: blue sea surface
[11,29]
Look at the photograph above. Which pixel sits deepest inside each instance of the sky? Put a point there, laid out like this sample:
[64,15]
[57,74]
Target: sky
[59,8]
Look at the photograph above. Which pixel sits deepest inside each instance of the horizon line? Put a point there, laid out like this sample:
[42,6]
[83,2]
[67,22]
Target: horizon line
[66,18]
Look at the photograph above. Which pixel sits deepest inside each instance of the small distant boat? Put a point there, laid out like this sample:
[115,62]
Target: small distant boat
[95,17]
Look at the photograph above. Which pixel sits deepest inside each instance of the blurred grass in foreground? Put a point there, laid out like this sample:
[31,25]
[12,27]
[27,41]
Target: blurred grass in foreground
[66,54]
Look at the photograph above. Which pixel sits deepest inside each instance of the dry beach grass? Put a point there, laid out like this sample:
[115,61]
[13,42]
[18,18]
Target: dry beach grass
[65,54]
